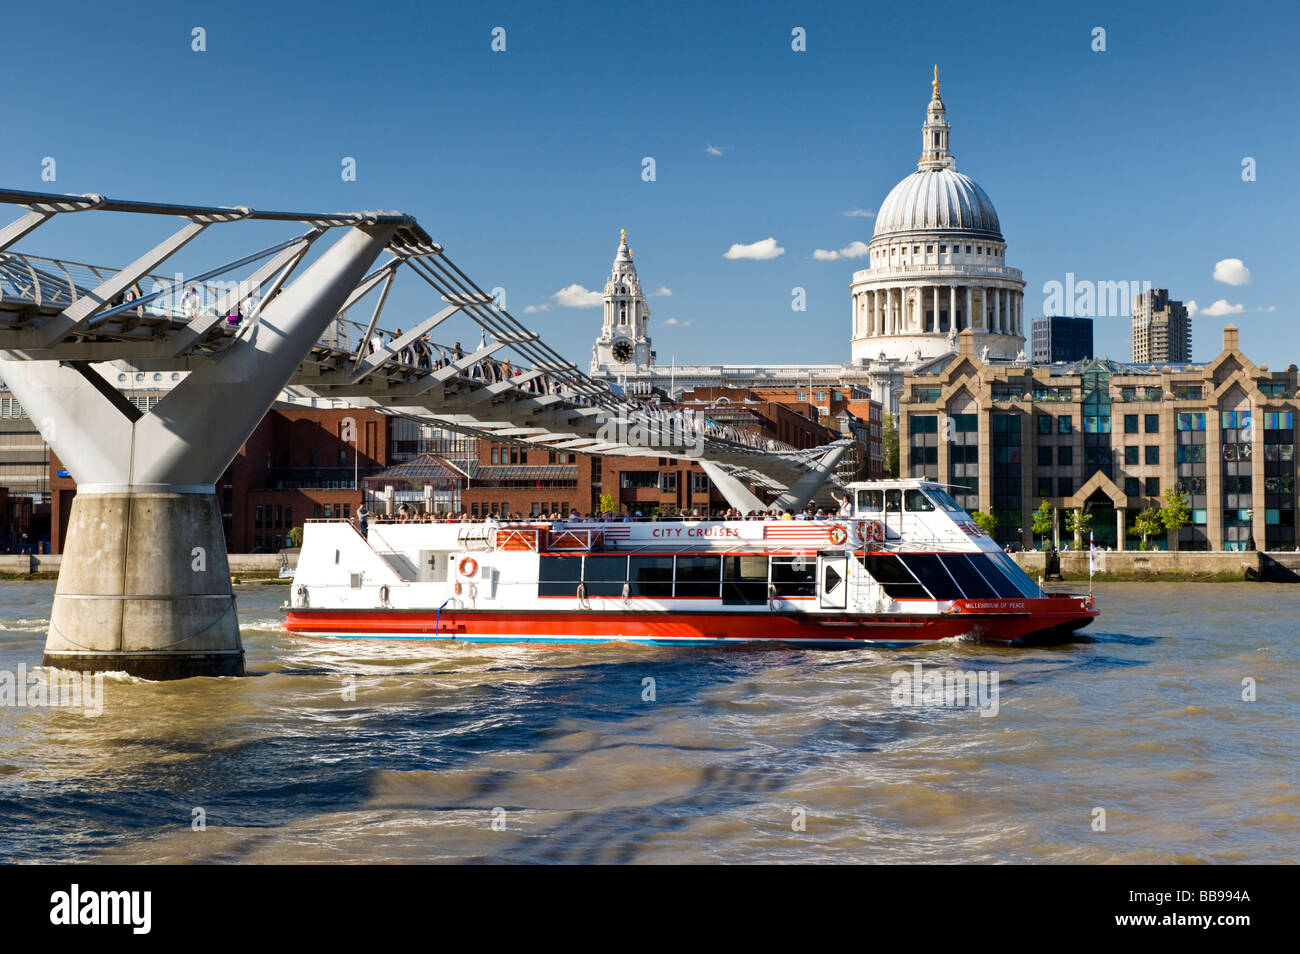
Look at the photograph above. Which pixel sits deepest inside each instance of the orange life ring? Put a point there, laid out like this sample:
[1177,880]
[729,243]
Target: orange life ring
[877,531]
[863,529]
[458,587]
[467,566]
[837,535]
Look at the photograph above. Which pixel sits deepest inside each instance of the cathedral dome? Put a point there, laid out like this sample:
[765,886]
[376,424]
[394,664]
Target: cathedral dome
[938,200]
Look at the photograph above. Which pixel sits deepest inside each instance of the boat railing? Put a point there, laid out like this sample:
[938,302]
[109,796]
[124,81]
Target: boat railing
[475,537]
[516,538]
[573,539]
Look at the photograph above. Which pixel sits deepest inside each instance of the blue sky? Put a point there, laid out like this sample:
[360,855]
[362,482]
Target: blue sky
[1116,165]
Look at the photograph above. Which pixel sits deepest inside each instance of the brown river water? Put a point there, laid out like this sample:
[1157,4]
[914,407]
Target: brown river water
[359,751]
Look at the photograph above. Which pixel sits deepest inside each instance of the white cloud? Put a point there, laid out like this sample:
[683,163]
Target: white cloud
[1192,308]
[1269,308]
[1221,307]
[712,150]
[575,296]
[852,250]
[674,321]
[860,213]
[1232,271]
[532,308]
[663,292]
[760,251]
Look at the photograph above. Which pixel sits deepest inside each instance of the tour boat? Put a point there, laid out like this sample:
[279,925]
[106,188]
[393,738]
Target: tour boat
[907,566]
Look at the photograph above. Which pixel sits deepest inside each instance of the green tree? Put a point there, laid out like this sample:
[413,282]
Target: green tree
[1042,524]
[889,444]
[985,521]
[1148,522]
[1175,514]
[1078,522]
[295,537]
[607,503]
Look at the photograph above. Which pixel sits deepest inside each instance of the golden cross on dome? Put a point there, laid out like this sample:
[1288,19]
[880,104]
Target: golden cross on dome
[623,239]
[935,84]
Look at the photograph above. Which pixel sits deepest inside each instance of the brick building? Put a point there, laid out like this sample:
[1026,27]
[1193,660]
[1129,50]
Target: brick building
[518,480]
[300,462]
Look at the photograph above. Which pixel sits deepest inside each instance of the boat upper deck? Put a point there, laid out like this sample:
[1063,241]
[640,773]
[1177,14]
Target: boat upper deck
[913,515]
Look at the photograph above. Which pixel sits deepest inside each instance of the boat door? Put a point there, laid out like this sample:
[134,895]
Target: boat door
[832,580]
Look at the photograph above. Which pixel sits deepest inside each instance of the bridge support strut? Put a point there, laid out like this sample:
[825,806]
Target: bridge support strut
[144,586]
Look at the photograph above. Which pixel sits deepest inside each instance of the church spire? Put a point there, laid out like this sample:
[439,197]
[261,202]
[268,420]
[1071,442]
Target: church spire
[935,153]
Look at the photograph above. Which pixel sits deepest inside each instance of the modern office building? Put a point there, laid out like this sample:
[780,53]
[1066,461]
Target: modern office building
[1053,338]
[1110,439]
[1162,329]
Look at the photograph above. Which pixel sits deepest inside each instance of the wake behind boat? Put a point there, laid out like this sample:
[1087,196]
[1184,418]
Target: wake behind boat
[907,566]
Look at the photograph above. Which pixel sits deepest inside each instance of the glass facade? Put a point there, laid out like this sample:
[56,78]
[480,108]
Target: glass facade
[1190,470]
[1005,440]
[963,460]
[923,449]
[1279,480]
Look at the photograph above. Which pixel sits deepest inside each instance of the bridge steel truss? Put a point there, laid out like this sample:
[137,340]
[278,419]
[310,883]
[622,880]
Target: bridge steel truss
[144,584]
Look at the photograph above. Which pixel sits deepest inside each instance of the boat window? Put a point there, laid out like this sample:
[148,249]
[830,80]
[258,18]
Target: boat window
[605,575]
[944,501]
[893,501]
[698,576]
[968,578]
[917,502]
[897,580]
[930,571]
[1016,575]
[997,579]
[832,580]
[744,579]
[559,576]
[650,576]
[871,501]
[794,576]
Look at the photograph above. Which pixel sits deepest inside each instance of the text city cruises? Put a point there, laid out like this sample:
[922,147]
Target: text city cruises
[908,566]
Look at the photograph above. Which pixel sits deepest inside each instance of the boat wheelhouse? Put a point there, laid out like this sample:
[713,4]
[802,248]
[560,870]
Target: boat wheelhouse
[906,566]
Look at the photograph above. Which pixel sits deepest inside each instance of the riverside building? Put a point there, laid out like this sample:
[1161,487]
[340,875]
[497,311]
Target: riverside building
[1111,438]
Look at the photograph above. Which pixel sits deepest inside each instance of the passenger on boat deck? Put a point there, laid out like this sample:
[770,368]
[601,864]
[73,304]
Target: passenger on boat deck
[787,515]
[821,514]
[801,515]
[846,505]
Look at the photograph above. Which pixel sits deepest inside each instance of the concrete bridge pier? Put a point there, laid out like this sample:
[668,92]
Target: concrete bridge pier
[144,585]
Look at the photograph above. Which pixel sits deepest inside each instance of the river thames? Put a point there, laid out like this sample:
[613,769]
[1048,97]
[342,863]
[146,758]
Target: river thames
[361,751]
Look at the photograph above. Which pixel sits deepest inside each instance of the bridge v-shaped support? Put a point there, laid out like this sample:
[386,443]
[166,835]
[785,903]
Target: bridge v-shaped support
[806,487]
[737,494]
[144,585]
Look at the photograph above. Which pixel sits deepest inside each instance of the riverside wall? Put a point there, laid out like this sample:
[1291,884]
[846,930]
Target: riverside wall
[41,566]
[1225,566]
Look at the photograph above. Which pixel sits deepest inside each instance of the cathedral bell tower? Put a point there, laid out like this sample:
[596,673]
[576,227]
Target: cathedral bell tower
[623,344]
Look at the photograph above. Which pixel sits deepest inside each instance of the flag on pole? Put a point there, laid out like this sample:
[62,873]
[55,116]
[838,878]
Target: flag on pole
[1092,559]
